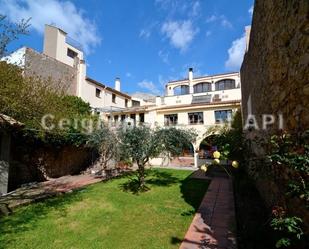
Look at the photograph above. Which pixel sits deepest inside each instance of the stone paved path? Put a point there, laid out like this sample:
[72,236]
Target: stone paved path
[42,190]
[213,226]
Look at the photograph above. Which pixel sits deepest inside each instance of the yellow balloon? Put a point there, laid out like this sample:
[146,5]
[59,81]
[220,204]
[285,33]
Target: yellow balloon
[216,154]
[235,164]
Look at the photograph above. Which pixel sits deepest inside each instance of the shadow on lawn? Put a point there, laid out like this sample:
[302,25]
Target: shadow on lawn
[153,178]
[27,219]
[193,191]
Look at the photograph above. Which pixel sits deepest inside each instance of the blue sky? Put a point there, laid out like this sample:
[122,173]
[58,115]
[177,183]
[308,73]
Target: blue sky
[144,42]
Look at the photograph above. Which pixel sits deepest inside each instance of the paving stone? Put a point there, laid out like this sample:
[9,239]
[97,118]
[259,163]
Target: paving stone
[214,219]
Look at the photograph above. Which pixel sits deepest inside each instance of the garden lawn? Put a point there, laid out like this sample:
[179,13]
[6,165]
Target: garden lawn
[106,216]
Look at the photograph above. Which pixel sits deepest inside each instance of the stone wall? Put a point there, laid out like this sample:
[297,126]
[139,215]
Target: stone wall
[34,161]
[60,75]
[275,80]
[275,71]
[5,141]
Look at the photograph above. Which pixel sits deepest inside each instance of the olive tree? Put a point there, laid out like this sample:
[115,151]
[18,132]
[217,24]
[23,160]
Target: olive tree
[104,140]
[141,143]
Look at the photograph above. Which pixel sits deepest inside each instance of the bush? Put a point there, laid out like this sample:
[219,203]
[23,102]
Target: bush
[28,99]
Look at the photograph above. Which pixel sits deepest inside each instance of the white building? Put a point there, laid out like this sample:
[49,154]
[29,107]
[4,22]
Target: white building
[198,103]
[62,60]
[194,102]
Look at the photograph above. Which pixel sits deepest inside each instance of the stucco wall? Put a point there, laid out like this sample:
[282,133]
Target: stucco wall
[44,66]
[88,93]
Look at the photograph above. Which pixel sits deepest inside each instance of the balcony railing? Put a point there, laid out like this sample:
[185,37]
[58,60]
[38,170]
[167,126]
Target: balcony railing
[202,98]
[69,40]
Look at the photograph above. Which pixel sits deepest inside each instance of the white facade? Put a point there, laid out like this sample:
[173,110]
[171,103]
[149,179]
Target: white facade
[202,103]
[61,47]
[197,103]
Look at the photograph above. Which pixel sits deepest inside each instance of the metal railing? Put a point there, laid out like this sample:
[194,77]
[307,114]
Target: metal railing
[69,40]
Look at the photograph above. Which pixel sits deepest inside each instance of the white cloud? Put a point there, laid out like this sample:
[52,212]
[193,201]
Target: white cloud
[179,33]
[148,85]
[250,11]
[164,56]
[226,23]
[212,18]
[196,7]
[144,33]
[179,7]
[236,53]
[221,19]
[62,14]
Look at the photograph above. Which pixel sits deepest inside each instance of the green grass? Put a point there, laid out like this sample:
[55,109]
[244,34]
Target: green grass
[105,216]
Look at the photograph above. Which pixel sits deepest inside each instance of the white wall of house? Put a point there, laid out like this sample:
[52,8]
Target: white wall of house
[56,45]
[224,95]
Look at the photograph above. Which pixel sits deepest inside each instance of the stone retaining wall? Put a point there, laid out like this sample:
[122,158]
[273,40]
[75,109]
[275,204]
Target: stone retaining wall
[275,80]
[35,162]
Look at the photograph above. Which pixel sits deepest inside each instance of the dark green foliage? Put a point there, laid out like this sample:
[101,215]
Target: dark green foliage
[289,153]
[75,105]
[229,140]
[28,99]
[288,225]
[104,140]
[141,143]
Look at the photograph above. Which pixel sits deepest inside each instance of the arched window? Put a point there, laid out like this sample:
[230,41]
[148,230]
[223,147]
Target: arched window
[225,84]
[202,87]
[181,90]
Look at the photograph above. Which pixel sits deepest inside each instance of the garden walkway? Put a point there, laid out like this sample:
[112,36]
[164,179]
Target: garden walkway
[213,226]
[42,190]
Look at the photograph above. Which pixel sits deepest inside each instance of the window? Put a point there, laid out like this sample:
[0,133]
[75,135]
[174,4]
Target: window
[196,118]
[142,117]
[126,103]
[71,53]
[135,103]
[223,116]
[114,98]
[97,92]
[202,87]
[133,117]
[170,119]
[123,118]
[181,90]
[225,84]
[116,117]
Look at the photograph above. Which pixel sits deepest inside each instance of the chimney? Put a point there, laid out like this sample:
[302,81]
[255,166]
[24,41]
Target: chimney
[190,74]
[248,31]
[117,84]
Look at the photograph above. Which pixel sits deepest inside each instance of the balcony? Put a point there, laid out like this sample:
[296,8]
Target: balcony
[200,98]
[69,40]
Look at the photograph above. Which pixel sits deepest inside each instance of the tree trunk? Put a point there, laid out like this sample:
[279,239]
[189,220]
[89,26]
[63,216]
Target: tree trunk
[141,175]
